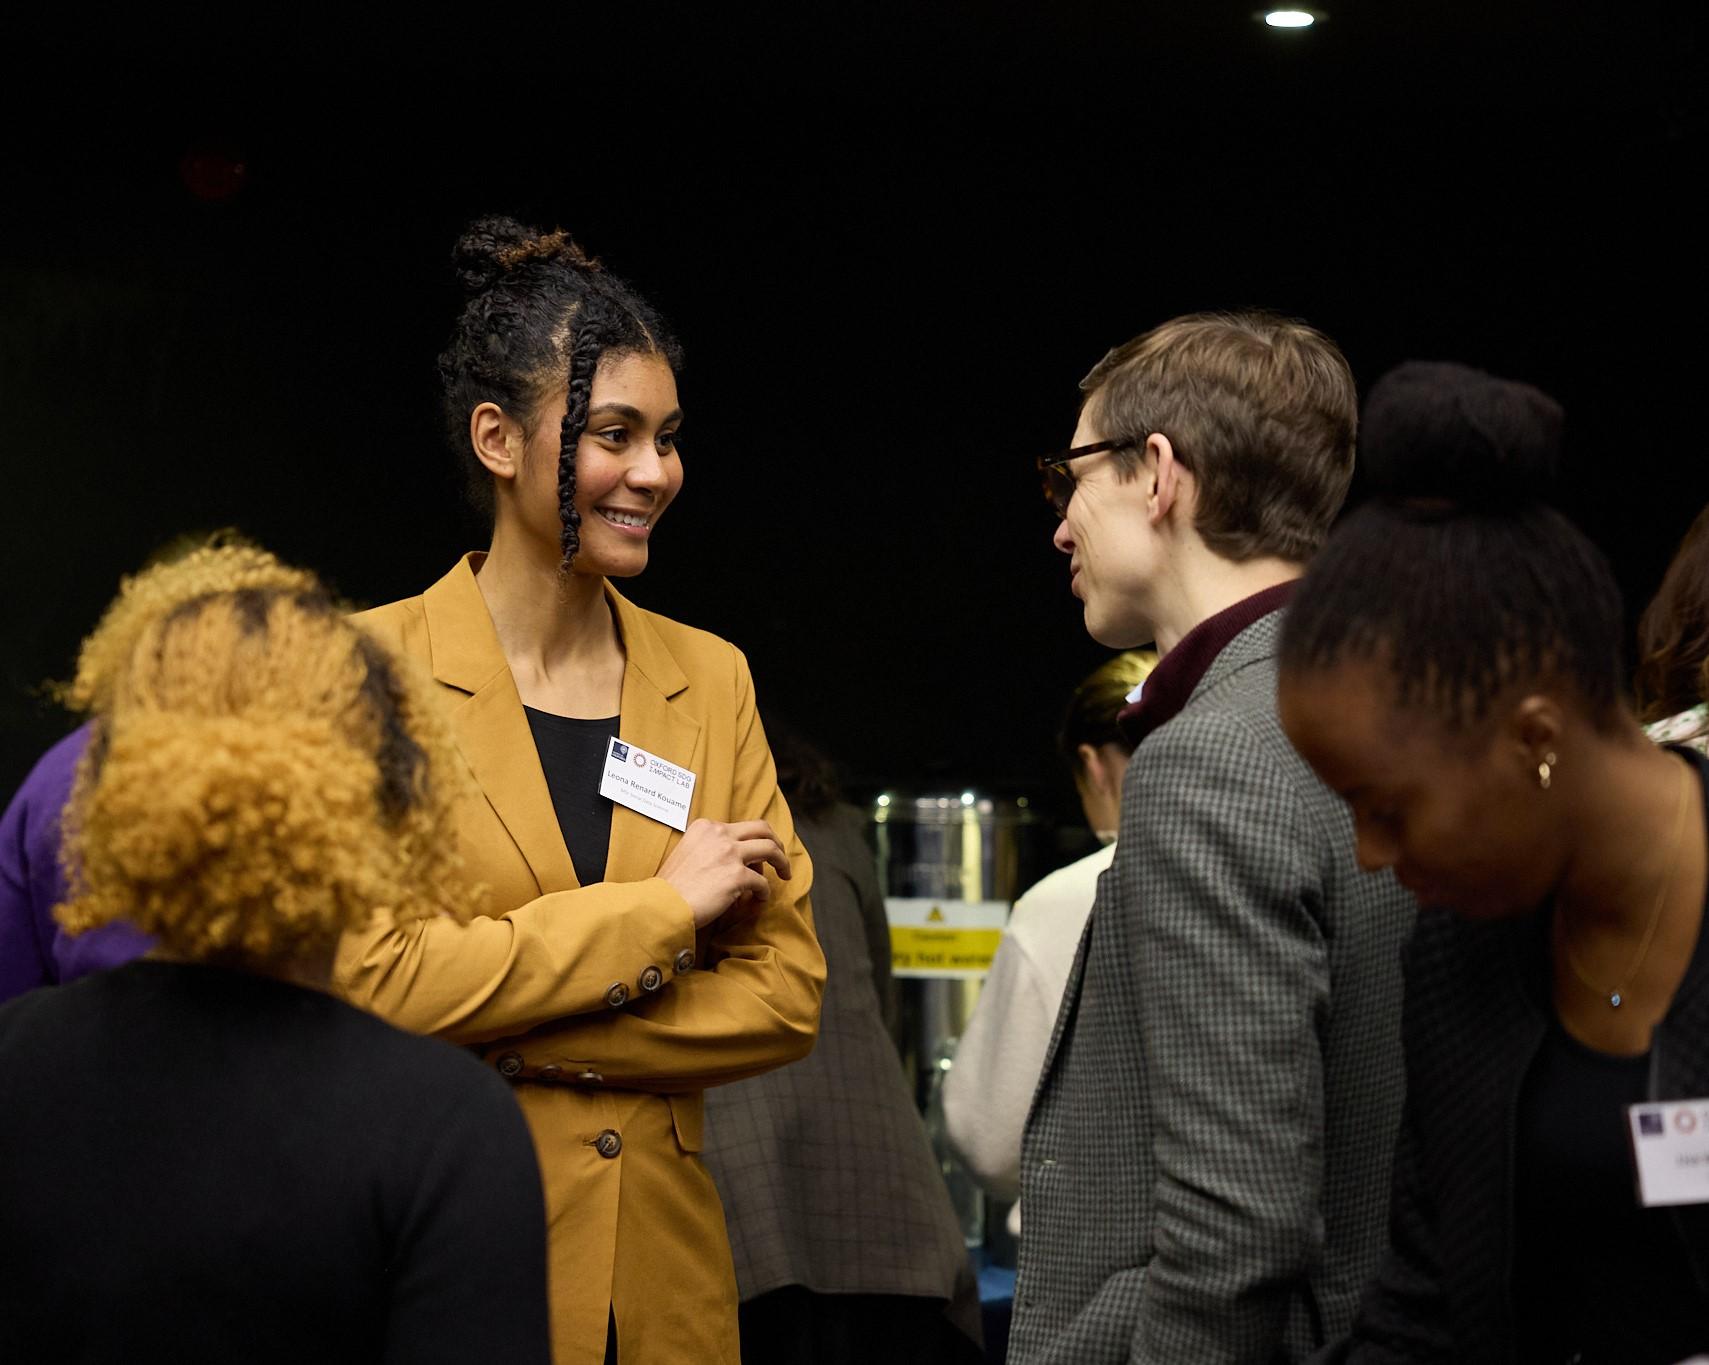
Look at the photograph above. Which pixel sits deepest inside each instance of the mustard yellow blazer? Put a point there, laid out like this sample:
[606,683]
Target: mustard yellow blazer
[601,1004]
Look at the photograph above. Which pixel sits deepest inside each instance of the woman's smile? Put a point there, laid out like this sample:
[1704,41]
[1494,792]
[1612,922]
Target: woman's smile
[637,524]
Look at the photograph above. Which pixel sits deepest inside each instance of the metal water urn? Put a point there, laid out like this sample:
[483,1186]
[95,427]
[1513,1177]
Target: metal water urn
[951,864]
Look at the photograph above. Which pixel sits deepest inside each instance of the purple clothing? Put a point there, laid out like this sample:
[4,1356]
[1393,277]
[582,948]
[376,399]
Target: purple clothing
[34,950]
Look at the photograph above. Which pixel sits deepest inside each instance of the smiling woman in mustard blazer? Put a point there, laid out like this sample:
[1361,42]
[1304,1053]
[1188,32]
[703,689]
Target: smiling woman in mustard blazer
[613,976]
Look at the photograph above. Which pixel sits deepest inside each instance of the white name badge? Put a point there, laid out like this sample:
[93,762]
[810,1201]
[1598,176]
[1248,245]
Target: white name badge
[1671,1143]
[646,783]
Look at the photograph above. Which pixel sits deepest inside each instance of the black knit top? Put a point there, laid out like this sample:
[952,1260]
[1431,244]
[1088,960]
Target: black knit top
[201,1165]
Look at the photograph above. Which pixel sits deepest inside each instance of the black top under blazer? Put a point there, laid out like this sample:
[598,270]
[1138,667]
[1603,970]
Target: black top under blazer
[1205,1167]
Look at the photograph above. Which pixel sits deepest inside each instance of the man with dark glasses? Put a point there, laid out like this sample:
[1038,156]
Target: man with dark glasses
[1206,1163]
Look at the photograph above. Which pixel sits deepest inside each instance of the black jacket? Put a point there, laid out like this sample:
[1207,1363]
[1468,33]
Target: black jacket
[1477,1011]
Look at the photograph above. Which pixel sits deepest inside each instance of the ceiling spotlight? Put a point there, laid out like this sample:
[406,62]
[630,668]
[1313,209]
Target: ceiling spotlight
[1290,18]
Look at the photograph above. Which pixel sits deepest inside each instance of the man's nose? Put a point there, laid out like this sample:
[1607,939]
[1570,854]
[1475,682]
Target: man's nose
[1064,538]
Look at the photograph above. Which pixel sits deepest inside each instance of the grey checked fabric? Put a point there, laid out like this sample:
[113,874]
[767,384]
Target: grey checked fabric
[1206,1164]
[827,1178]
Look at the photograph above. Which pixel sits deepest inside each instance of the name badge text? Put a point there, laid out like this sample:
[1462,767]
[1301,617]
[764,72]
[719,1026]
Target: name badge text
[1671,1144]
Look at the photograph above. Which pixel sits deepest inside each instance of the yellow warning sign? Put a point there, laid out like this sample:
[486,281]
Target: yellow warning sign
[944,938]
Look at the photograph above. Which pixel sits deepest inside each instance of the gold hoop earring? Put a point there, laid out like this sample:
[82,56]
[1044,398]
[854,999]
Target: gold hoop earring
[1544,770]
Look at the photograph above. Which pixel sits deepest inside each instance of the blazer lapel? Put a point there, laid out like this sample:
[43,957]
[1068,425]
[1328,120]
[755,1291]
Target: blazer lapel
[651,678]
[490,726]
[1257,642]
[492,731]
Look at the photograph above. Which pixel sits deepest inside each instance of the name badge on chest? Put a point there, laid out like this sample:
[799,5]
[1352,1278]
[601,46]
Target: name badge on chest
[644,782]
[1671,1144]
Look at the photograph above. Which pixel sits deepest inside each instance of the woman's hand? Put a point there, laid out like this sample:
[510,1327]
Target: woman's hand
[717,865]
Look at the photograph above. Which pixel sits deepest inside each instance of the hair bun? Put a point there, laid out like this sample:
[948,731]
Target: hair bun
[492,247]
[1440,430]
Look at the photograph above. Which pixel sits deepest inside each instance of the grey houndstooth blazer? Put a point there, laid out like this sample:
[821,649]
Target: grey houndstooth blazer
[1206,1165]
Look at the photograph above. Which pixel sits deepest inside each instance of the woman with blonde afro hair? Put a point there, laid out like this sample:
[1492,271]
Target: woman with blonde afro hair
[206,1154]
[35,948]
[258,781]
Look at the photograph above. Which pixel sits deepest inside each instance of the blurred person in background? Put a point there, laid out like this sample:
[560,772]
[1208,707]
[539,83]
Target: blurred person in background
[846,1245]
[1452,667]
[204,1155]
[1673,647]
[990,1086]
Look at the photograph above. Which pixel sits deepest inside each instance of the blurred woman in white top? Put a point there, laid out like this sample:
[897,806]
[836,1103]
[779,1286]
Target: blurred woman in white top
[990,1087]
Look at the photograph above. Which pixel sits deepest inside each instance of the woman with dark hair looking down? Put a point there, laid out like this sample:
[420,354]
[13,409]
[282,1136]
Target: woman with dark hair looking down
[636,950]
[1451,667]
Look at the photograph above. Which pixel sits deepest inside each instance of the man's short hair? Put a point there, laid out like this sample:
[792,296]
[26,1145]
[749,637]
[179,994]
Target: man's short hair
[1261,409]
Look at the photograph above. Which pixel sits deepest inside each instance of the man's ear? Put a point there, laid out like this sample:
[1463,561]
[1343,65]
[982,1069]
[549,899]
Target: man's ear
[497,440]
[1170,482]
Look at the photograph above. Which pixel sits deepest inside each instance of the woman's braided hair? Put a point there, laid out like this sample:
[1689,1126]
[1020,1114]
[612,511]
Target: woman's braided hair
[538,316]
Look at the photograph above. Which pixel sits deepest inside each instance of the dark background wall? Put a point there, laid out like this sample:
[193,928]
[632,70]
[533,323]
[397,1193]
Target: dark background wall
[893,238]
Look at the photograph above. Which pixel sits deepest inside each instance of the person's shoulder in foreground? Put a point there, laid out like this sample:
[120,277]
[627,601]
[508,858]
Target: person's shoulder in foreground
[405,1206]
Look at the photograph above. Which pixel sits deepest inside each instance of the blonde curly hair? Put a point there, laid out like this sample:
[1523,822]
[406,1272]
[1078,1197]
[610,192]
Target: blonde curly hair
[262,776]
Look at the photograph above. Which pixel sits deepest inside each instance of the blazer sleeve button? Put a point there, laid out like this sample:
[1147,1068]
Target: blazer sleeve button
[684,961]
[616,995]
[589,1077]
[550,1073]
[608,1144]
[651,978]
[509,1064]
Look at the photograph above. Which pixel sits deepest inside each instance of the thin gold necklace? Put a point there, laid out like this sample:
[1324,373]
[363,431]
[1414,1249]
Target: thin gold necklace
[1617,996]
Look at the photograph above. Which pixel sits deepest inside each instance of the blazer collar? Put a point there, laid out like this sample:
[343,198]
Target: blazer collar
[464,647]
[492,730]
[1256,639]
[1205,654]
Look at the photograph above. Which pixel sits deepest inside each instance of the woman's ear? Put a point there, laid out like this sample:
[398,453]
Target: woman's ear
[1535,730]
[497,440]
[1091,767]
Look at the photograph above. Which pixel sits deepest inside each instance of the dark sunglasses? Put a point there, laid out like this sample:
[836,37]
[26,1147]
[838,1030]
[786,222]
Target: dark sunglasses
[1059,479]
